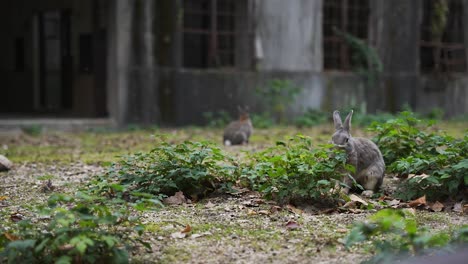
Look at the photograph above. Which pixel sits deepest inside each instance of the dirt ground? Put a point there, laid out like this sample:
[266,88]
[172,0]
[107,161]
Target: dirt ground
[225,228]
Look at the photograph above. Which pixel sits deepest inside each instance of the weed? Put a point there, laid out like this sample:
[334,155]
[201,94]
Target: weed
[277,95]
[439,163]
[312,117]
[190,167]
[82,229]
[293,170]
[263,120]
[217,119]
[396,235]
[32,130]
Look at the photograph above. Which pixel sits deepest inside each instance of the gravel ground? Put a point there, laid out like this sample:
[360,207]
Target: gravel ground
[241,228]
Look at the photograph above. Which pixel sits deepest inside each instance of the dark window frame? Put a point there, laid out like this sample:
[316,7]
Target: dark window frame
[214,26]
[350,16]
[447,54]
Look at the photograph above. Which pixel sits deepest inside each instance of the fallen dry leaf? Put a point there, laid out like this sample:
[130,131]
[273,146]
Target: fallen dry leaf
[355,211]
[66,247]
[342,230]
[328,211]
[209,205]
[437,206]
[47,186]
[384,197]
[251,212]
[419,177]
[201,235]
[418,202]
[275,209]
[258,201]
[11,237]
[178,235]
[187,229]
[350,204]
[394,203]
[16,217]
[291,225]
[458,207]
[358,199]
[293,209]
[249,203]
[3,198]
[177,199]
[410,211]
[264,212]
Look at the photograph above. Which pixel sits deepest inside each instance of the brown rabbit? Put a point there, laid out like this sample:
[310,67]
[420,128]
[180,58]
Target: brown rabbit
[238,132]
[362,153]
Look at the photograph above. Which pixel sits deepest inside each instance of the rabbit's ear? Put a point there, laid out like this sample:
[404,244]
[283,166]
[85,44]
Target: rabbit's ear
[347,122]
[337,120]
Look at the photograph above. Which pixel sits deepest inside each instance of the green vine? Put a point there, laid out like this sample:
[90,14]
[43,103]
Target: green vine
[365,59]
[439,19]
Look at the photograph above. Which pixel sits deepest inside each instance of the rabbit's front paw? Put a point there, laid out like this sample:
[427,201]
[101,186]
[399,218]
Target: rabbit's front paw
[367,193]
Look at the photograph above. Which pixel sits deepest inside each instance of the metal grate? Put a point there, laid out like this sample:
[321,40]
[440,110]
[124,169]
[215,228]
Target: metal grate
[351,16]
[446,54]
[210,32]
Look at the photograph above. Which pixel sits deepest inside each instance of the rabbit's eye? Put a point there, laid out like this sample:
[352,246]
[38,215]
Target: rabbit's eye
[346,140]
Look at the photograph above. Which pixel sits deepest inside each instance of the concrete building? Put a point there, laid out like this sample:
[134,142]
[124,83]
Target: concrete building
[169,61]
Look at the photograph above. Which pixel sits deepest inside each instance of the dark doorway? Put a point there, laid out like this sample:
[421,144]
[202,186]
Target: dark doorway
[53,84]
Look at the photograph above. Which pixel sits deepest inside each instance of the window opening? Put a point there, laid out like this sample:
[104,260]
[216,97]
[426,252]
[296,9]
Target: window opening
[442,40]
[350,16]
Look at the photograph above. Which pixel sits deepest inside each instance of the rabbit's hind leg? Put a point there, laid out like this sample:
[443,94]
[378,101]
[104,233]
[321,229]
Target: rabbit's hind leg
[370,180]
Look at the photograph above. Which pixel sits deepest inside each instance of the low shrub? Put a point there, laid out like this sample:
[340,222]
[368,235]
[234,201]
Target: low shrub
[312,117]
[263,120]
[79,230]
[190,167]
[217,119]
[436,163]
[276,96]
[294,170]
[395,235]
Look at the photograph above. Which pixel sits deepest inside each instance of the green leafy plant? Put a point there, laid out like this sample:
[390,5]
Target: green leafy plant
[32,130]
[438,164]
[217,119]
[263,120]
[190,167]
[294,170]
[395,235]
[399,137]
[312,117]
[276,96]
[81,229]
[364,58]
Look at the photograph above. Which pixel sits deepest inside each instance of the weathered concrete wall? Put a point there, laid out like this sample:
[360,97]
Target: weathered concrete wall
[172,95]
[449,94]
[290,33]
[394,29]
[197,92]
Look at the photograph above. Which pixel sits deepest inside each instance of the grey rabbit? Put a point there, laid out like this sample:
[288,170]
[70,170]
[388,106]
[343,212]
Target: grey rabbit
[362,153]
[238,132]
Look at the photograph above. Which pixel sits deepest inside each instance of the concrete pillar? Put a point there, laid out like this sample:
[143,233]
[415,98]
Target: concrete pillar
[289,33]
[132,75]
[395,31]
[120,14]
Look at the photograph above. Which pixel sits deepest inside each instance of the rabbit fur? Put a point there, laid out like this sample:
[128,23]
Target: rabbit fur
[238,132]
[362,153]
